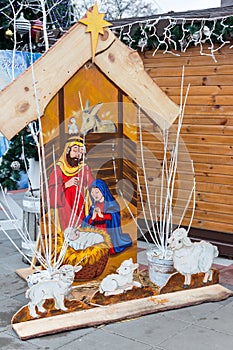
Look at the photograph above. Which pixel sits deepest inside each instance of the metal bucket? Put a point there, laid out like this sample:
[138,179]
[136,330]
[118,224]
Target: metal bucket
[159,269]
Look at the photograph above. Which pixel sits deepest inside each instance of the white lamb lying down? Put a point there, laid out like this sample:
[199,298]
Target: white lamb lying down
[81,239]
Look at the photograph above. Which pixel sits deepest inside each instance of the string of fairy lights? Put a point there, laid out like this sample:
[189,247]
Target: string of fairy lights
[174,35]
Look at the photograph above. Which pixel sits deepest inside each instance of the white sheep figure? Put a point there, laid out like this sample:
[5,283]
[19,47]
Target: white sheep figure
[190,258]
[72,126]
[114,284]
[38,276]
[56,289]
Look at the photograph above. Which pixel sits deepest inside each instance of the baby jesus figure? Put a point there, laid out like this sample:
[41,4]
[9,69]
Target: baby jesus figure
[80,240]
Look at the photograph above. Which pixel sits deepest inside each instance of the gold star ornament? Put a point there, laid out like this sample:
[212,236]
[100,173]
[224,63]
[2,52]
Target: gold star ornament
[95,25]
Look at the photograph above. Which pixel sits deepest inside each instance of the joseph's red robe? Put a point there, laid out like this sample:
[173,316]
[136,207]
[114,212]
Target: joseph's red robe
[70,201]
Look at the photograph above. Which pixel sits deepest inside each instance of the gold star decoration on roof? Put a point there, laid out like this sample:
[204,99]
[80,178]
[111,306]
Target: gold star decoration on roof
[95,25]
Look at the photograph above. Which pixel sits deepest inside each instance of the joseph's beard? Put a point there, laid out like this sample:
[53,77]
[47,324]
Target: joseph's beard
[73,162]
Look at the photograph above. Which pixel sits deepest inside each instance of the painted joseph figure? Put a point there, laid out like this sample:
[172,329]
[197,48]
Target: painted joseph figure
[68,184]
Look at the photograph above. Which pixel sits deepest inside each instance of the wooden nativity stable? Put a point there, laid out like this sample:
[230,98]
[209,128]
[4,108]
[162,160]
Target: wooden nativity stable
[105,85]
[99,92]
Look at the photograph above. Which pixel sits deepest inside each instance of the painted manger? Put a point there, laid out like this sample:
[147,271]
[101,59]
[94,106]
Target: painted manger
[90,250]
[93,190]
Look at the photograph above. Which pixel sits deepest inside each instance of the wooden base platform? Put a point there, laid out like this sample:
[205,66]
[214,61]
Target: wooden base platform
[23,273]
[119,311]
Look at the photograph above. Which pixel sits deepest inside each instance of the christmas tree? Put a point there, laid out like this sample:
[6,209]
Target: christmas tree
[21,148]
[21,22]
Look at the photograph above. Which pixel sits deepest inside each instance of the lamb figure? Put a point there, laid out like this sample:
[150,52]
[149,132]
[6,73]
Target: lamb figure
[38,276]
[72,126]
[114,284]
[190,258]
[56,289]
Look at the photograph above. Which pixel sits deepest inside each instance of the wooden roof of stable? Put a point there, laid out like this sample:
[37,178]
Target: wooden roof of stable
[161,20]
[26,98]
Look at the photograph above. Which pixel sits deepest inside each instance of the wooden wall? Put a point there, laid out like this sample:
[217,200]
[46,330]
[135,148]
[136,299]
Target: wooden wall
[207,127]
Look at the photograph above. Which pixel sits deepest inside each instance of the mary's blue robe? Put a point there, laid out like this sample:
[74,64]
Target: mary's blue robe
[119,240]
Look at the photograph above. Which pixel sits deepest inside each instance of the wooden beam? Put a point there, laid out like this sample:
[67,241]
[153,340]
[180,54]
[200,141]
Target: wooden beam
[120,311]
[125,67]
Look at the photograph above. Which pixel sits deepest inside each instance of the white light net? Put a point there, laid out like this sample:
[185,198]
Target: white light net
[175,35]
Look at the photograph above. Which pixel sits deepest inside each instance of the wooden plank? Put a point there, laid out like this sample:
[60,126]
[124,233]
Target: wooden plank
[204,196]
[214,197]
[215,90]
[205,224]
[186,185]
[190,57]
[200,206]
[215,188]
[201,177]
[207,139]
[152,136]
[201,218]
[125,68]
[120,311]
[203,70]
[221,179]
[23,273]
[204,118]
[196,157]
[209,216]
[208,159]
[152,133]
[202,100]
[214,207]
[196,148]
[209,225]
[213,168]
[209,120]
[222,80]
[215,110]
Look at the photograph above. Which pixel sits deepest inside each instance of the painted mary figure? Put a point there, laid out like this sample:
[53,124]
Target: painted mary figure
[105,214]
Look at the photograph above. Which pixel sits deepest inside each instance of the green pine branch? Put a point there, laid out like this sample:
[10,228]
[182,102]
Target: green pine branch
[9,177]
